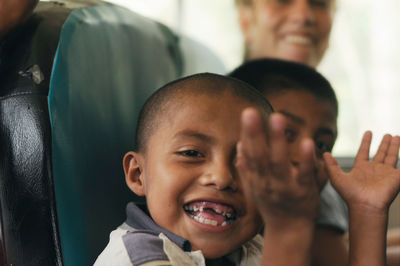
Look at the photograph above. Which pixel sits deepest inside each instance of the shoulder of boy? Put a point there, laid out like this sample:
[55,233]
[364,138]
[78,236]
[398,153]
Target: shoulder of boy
[145,248]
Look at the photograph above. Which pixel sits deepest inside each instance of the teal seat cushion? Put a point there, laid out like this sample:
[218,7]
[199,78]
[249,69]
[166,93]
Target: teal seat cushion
[109,60]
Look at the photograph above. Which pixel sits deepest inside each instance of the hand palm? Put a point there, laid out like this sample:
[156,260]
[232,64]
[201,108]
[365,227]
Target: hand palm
[373,184]
[277,187]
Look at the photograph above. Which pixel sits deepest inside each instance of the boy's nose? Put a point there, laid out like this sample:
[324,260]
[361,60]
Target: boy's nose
[301,11]
[221,176]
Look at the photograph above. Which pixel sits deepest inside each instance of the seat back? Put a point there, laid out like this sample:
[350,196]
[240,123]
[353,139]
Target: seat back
[70,97]
[109,60]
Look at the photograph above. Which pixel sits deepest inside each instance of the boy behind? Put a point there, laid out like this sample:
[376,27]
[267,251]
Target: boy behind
[309,105]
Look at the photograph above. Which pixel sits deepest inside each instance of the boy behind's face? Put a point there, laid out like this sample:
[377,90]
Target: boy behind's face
[307,116]
[184,164]
[304,97]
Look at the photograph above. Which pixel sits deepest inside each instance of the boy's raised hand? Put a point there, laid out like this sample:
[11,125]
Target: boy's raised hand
[370,185]
[282,191]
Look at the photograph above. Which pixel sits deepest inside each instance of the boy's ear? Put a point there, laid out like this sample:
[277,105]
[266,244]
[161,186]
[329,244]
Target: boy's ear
[133,165]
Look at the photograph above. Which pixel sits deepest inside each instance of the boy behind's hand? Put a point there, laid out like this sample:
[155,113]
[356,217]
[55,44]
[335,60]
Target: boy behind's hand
[368,189]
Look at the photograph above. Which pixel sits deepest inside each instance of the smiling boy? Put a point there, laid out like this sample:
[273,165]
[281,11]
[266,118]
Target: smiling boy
[184,166]
[187,169]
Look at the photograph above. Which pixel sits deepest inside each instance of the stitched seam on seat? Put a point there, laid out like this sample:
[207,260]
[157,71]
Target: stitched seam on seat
[21,94]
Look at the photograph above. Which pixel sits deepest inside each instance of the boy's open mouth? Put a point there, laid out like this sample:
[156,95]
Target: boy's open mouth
[211,213]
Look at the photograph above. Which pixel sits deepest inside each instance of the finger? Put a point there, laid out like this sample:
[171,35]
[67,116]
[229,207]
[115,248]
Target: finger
[332,166]
[239,158]
[383,149]
[241,167]
[253,139]
[363,151]
[322,175]
[248,179]
[393,152]
[252,133]
[307,168]
[241,161]
[279,148]
[250,123]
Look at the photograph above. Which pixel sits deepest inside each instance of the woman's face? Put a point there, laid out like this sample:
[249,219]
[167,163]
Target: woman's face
[294,30]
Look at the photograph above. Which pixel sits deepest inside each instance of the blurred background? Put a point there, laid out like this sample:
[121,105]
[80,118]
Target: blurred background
[362,63]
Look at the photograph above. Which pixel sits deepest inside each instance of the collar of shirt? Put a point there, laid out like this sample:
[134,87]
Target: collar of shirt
[137,219]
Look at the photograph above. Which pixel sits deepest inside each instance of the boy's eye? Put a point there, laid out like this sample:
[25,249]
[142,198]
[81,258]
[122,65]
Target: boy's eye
[323,147]
[290,135]
[191,153]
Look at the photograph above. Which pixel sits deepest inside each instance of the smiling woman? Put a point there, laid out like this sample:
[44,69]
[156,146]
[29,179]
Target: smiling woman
[291,30]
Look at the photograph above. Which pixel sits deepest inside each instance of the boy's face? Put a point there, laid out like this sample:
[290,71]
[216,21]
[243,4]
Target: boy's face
[188,176]
[295,30]
[307,116]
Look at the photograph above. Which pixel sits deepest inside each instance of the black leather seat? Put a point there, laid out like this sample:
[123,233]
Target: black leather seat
[29,232]
[61,182]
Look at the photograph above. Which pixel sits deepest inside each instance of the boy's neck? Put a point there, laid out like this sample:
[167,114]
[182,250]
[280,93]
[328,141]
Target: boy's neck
[219,262]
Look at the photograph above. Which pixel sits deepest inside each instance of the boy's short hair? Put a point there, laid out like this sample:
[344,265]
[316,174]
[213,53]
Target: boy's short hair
[273,76]
[159,103]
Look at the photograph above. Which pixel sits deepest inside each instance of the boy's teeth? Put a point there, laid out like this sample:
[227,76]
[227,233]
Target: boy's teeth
[208,221]
[211,213]
[214,223]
